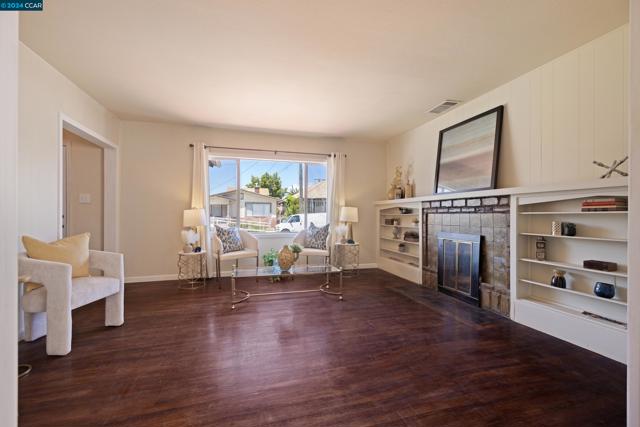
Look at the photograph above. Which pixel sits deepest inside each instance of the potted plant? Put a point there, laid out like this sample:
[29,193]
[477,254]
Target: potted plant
[269,259]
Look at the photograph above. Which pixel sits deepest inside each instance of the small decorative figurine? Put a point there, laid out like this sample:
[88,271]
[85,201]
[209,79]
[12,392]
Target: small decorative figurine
[396,232]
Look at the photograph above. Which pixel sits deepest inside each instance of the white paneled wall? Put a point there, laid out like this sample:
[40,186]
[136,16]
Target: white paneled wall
[558,119]
[8,219]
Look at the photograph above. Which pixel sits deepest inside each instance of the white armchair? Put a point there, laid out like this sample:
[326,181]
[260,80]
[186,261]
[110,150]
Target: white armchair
[48,308]
[250,250]
[326,253]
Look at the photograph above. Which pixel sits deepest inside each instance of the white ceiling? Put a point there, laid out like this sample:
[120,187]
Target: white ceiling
[353,68]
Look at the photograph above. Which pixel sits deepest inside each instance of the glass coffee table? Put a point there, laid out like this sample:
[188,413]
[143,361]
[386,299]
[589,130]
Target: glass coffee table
[296,270]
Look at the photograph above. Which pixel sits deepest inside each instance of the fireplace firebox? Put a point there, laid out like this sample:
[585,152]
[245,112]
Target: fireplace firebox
[459,266]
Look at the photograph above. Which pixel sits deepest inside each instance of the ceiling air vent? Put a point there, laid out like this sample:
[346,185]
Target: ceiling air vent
[440,108]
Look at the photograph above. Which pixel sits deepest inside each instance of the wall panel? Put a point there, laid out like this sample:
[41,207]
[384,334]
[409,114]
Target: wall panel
[559,118]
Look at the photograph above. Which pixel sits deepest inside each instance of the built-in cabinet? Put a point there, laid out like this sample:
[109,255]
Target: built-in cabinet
[399,240]
[574,313]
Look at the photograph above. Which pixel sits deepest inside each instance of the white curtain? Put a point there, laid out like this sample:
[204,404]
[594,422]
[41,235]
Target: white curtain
[335,192]
[200,197]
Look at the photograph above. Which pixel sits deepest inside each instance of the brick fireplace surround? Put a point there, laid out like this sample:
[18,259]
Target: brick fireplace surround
[487,216]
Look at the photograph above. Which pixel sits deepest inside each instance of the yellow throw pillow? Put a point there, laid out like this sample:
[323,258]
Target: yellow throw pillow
[72,250]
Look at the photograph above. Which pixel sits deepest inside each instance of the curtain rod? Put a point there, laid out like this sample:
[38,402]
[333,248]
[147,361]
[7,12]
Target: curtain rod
[264,150]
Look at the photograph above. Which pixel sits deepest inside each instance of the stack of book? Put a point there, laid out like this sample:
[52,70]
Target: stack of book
[605,204]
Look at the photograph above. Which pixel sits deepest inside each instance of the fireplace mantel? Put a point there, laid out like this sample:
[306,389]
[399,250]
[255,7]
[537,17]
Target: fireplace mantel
[510,191]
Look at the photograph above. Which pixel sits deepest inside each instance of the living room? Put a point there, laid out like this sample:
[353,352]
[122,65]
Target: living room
[322,213]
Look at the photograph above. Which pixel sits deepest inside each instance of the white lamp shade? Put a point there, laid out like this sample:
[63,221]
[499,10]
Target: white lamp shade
[193,218]
[348,214]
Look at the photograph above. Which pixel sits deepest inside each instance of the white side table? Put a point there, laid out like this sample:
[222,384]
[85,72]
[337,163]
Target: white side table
[192,269]
[348,257]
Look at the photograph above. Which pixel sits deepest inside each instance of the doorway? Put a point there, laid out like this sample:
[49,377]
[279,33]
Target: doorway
[87,199]
[83,188]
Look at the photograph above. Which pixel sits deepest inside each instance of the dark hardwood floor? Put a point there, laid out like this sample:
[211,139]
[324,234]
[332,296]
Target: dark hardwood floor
[390,354]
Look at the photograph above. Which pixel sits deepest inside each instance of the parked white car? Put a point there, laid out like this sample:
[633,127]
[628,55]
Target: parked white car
[295,223]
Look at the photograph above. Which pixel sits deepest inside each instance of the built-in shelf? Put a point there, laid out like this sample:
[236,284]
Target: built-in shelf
[407,254]
[389,258]
[399,240]
[577,213]
[572,312]
[575,267]
[598,239]
[571,291]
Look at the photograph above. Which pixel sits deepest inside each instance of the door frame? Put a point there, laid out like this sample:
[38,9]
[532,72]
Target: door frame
[110,179]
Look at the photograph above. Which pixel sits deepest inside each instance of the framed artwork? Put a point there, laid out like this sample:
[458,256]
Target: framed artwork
[468,154]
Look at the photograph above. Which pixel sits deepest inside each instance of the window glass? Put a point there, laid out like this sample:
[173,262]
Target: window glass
[271,194]
[223,193]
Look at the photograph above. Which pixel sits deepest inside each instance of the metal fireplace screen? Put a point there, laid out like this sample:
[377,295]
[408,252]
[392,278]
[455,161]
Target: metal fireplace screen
[459,266]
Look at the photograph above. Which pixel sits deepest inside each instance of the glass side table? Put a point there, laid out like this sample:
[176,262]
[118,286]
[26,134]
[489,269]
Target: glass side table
[348,257]
[192,270]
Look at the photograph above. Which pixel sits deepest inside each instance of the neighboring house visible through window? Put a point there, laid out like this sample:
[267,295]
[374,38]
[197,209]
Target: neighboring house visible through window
[267,195]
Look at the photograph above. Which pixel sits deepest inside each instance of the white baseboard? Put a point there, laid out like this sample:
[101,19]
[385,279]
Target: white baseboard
[154,278]
[172,277]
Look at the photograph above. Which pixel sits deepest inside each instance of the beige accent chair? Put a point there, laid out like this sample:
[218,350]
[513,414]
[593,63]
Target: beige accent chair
[47,309]
[326,253]
[250,250]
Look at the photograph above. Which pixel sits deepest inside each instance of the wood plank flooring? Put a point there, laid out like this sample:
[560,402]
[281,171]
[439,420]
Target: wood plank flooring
[390,354]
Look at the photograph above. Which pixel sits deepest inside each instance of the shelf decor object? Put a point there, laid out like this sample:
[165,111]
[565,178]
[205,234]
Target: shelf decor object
[541,246]
[600,265]
[558,280]
[604,290]
[568,229]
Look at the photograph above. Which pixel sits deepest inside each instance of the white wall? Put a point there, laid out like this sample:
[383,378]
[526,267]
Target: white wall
[8,219]
[44,93]
[558,119]
[156,185]
[633,296]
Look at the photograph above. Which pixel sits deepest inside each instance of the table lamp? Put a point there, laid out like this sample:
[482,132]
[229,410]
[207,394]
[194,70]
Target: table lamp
[349,215]
[194,218]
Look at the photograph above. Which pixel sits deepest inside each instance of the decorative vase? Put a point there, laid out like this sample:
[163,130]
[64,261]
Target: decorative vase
[604,290]
[408,189]
[558,280]
[556,228]
[286,258]
[391,194]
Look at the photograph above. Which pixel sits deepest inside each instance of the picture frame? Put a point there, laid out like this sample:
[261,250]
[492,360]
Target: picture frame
[468,154]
